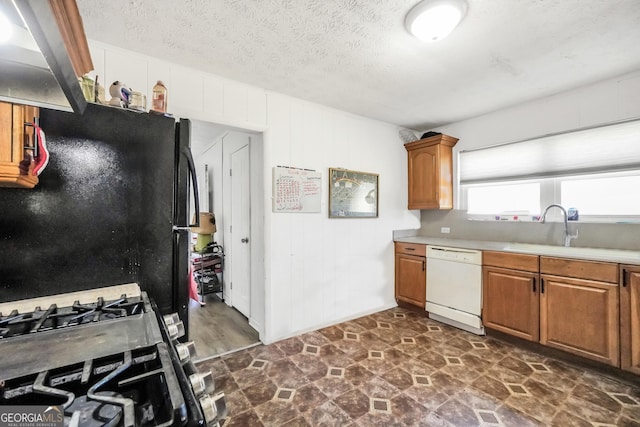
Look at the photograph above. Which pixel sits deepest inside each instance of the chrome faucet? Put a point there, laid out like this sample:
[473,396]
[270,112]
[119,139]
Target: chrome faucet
[567,236]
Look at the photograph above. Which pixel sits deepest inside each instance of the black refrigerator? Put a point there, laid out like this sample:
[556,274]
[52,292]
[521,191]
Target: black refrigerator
[111,207]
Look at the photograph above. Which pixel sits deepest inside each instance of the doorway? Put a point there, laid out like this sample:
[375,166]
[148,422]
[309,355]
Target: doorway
[229,169]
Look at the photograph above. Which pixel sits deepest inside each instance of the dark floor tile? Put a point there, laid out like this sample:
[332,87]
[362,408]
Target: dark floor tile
[511,417]
[266,352]
[587,411]
[545,393]
[260,393]
[249,376]
[333,387]
[457,413]
[478,400]
[407,410]
[285,373]
[311,366]
[366,322]
[377,387]
[216,366]
[541,411]
[290,346]
[314,338]
[354,403]
[492,387]
[237,402]
[565,419]
[225,383]
[596,397]
[276,413]
[516,365]
[398,378]
[308,398]
[627,422]
[475,362]
[427,396]
[433,358]
[327,415]
[446,383]
[297,422]
[357,375]
[244,419]
[237,361]
[354,350]
[332,333]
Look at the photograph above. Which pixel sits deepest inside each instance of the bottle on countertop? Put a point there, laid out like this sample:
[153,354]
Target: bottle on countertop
[159,100]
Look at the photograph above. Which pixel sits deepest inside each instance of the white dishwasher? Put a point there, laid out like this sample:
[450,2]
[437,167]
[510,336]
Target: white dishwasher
[454,287]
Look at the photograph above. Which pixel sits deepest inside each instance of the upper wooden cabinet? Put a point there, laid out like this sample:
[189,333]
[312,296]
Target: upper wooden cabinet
[630,318]
[430,165]
[16,145]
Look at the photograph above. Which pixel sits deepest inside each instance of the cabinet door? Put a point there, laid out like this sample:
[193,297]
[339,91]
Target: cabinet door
[423,178]
[511,302]
[411,283]
[14,137]
[581,317]
[630,319]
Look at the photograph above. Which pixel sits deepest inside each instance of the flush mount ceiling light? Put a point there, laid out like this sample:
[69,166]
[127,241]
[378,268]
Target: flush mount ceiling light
[432,20]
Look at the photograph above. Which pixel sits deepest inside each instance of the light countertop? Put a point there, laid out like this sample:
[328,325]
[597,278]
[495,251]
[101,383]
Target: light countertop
[593,254]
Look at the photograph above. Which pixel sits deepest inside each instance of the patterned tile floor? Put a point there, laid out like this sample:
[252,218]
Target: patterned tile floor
[398,368]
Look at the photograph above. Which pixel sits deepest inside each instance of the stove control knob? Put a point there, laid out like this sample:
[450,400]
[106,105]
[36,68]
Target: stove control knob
[214,408]
[176,330]
[202,383]
[186,351]
[170,319]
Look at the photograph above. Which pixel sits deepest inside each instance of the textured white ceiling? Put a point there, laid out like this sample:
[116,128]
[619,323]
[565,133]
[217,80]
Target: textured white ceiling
[356,55]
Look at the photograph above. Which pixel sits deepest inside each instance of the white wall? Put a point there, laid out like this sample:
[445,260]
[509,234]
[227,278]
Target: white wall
[608,101]
[317,271]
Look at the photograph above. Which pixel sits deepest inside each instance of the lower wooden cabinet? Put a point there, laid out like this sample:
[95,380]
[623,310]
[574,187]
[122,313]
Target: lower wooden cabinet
[630,318]
[580,316]
[512,302]
[411,273]
[510,294]
[571,305]
[579,310]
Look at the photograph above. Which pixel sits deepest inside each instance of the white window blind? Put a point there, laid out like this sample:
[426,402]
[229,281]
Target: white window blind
[601,149]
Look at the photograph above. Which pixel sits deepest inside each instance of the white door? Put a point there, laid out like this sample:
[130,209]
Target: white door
[240,231]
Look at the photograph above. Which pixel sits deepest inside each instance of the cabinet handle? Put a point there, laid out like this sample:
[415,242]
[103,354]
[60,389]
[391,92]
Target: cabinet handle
[624,277]
[541,285]
[409,249]
[534,285]
[32,145]
[423,265]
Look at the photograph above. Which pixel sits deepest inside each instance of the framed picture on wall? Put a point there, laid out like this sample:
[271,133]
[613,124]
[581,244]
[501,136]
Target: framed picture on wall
[352,194]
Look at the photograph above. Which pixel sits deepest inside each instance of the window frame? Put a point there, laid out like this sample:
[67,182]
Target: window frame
[550,193]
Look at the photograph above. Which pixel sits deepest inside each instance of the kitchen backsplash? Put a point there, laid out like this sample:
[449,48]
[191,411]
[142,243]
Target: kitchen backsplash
[599,235]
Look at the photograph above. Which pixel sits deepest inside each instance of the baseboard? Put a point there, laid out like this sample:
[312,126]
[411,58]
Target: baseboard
[331,323]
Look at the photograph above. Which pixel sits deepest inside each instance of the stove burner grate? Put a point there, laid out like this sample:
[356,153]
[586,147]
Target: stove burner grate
[54,317]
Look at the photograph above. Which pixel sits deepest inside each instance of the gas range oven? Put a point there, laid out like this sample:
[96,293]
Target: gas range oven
[106,357]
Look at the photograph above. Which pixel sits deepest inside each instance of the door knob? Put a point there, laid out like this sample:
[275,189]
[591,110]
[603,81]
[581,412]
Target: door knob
[245,240]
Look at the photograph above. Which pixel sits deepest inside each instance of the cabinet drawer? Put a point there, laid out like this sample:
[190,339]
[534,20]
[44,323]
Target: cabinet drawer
[522,262]
[411,249]
[591,270]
